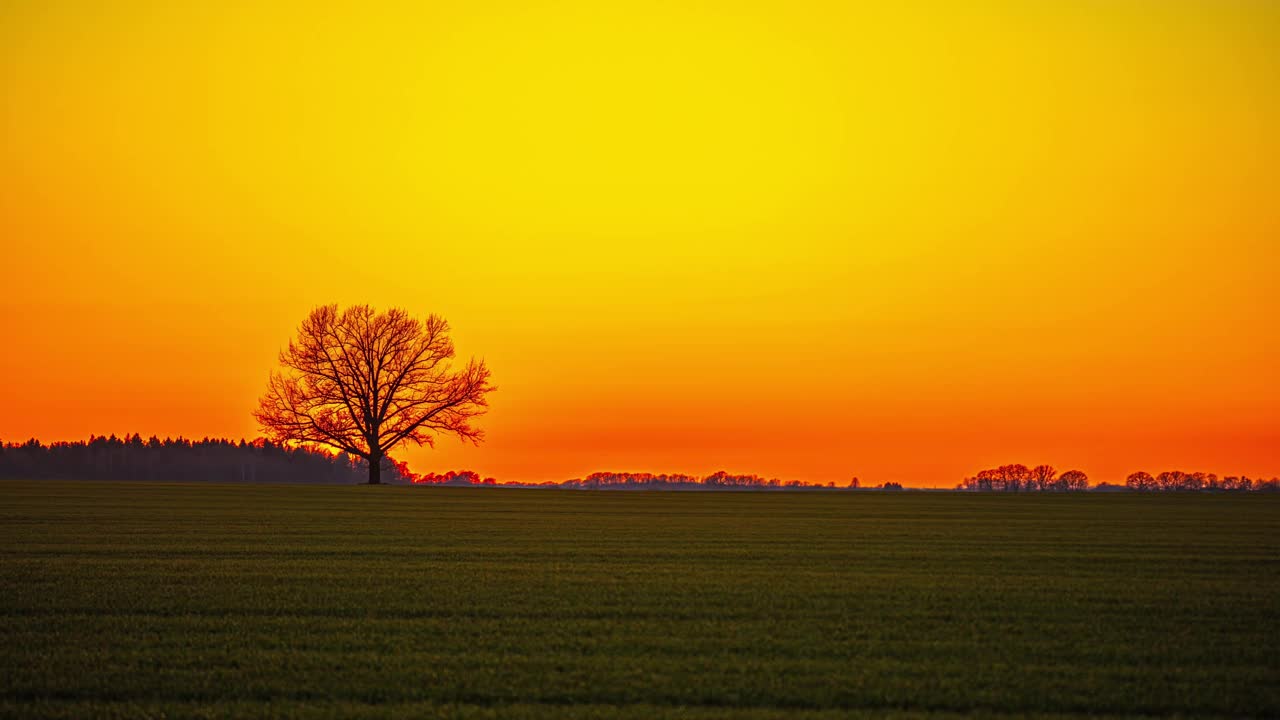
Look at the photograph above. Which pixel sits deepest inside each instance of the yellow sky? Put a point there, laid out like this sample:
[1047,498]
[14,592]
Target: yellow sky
[901,241]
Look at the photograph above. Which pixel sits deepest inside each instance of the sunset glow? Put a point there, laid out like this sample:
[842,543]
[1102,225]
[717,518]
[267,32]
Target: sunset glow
[898,241]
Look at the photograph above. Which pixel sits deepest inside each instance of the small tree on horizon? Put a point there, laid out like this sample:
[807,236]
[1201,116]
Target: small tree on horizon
[363,382]
[1043,476]
[1140,481]
[1074,481]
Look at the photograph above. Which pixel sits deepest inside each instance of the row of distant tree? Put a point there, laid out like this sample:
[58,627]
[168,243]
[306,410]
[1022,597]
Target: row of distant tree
[452,477]
[719,479]
[221,460]
[1020,478]
[631,481]
[210,459]
[1179,481]
[1044,478]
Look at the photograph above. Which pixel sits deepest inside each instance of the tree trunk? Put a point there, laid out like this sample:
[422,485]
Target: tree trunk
[375,471]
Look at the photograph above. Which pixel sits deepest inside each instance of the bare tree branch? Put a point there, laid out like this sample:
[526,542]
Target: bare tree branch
[364,382]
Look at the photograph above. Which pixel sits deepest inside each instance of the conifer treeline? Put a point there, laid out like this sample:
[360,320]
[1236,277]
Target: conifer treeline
[209,459]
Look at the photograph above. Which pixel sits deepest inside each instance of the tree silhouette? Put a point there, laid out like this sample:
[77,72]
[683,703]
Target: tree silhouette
[1171,480]
[1043,476]
[1141,481]
[1074,481]
[363,382]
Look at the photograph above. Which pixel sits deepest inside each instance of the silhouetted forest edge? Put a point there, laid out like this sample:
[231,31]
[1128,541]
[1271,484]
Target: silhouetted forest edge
[261,461]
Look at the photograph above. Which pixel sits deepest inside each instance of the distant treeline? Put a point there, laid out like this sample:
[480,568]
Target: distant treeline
[452,477]
[1179,481]
[1020,478]
[221,460]
[1044,478]
[719,479]
[637,481]
[212,460]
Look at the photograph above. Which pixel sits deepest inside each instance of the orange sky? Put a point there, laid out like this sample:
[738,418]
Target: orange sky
[902,241]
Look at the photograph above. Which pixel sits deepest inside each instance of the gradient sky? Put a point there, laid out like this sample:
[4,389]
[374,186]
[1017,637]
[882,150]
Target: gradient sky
[902,241]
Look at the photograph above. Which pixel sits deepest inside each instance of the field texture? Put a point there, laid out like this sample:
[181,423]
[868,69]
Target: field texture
[151,600]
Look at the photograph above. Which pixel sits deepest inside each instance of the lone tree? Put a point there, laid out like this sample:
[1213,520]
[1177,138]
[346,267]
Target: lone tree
[364,382]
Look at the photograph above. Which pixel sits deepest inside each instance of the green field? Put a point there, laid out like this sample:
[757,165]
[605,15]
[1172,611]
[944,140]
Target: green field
[177,600]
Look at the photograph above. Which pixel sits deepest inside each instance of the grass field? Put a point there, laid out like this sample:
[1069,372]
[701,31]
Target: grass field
[177,600]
